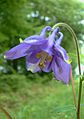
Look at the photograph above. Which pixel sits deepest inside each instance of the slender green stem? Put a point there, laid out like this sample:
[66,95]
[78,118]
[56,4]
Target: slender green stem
[82,77]
[78,58]
[79,99]
[74,93]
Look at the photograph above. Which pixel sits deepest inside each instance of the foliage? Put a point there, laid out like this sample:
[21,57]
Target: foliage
[38,97]
[23,18]
[34,100]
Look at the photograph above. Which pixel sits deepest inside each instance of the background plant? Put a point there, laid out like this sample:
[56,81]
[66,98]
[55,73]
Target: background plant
[22,18]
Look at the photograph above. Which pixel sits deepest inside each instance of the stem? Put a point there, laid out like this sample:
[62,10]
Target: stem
[6,113]
[79,99]
[74,94]
[78,59]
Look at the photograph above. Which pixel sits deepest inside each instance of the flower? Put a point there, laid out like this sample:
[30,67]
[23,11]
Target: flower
[44,54]
[39,57]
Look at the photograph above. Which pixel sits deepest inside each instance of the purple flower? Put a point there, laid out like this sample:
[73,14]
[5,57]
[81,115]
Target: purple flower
[44,54]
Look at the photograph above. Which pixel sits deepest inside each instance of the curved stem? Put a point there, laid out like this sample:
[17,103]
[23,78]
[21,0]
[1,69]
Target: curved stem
[78,58]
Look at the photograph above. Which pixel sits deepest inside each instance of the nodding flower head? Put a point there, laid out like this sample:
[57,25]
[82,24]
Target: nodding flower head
[44,54]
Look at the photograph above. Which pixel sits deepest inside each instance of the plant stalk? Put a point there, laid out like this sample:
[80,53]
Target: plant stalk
[74,94]
[79,99]
[6,113]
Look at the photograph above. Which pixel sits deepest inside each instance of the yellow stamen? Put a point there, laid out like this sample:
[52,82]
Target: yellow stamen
[49,58]
[41,65]
[44,56]
[38,55]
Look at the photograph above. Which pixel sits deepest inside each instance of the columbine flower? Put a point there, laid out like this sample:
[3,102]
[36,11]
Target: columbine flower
[44,54]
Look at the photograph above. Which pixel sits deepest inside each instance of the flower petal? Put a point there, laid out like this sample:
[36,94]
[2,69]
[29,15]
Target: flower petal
[47,67]
[52,36]
[43,32]
[32,39]
[35,41]
[32,67]
[61,70]
[24,49]
[18,51]
[59,40]
[61,52]
[36,47]
[32,58]
[50,42]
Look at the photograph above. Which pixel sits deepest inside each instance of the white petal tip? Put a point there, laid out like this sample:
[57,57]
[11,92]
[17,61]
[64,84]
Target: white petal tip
[68,61]
[4,56]
[29,69]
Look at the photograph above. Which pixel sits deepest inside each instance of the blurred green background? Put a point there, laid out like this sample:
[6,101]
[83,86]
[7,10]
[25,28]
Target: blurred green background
[37,96]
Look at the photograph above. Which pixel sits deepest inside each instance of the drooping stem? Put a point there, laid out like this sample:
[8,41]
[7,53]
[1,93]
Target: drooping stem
[78,59]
